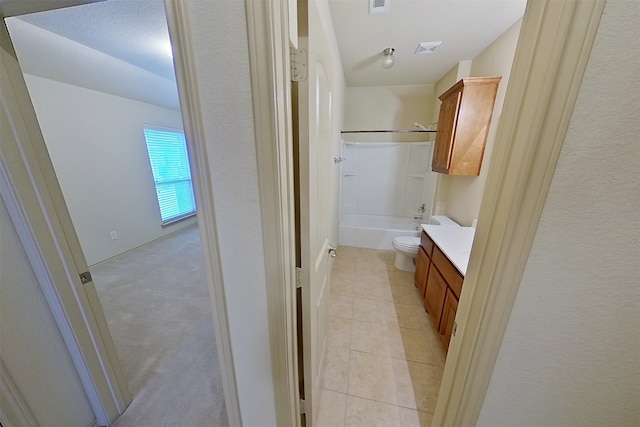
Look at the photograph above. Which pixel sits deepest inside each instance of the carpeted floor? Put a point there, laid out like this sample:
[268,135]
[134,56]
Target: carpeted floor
[157,305]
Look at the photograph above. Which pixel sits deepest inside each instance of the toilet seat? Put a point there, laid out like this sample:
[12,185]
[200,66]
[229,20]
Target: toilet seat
[407,242]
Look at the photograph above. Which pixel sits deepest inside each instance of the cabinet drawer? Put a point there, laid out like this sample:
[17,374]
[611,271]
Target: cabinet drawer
[448,271]
[426,243]
[422,269]
[434,296]
[448,318]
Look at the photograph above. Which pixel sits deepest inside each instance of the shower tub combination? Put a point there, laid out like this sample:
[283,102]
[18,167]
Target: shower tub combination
[383,185]
[375,231]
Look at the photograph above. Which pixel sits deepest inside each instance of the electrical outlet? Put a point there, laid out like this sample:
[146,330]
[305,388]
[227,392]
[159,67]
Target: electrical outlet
[114,235]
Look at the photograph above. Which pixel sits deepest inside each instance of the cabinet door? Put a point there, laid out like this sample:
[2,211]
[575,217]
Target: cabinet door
[448,318]
[434,296]
[446,133]
[422,269]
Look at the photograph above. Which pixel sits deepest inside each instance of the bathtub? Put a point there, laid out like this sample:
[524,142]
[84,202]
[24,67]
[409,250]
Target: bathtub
[373,231]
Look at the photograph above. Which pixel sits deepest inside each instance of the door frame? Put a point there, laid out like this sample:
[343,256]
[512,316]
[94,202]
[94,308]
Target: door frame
[552,53]
[38,211]
[33,198]
[553,50]
[270,37]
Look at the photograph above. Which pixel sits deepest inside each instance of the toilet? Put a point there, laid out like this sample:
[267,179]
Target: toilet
[406,250]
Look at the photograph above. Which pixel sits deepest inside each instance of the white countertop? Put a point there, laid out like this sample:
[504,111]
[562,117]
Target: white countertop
[454,241]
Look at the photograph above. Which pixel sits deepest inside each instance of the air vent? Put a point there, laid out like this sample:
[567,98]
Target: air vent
[378,6]
[427,47]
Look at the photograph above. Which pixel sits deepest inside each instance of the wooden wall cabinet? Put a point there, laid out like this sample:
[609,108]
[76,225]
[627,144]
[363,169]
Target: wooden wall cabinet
[463,126]
[440,283]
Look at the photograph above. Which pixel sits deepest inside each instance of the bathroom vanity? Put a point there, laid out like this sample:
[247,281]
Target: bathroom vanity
[441,265]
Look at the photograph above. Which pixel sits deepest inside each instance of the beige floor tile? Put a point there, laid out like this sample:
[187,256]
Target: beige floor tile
[410,344]
[331,409]
[341,306]
[368,310]
[372,376]
[341,286]
[418,384]
[384,292]
[372,277]
[399,278]
[366,289]
[413,418]
[405,295]
[336,371]
[348,273]
[367,413]
[371,340]
[339,332]
[406,316]
[359,326]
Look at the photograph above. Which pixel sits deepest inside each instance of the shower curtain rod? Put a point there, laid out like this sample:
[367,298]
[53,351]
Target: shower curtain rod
[389,131]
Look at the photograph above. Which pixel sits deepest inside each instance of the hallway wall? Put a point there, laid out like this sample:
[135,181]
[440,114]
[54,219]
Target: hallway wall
[571,351]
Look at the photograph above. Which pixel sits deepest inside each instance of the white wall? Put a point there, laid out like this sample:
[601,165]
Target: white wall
[459,197]
[387,107]
[571,352]
[30,343]
[225,99]
[98,150]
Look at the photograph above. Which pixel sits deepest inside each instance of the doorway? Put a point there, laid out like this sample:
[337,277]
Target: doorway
[78,119]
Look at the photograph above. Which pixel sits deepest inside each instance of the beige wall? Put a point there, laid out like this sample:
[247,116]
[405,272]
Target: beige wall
[387,107]
[459,197]
[571,351]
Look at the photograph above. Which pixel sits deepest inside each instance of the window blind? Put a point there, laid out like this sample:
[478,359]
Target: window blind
[171,174]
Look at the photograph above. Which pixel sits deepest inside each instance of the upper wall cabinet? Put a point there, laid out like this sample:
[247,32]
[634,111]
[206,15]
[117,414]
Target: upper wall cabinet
[463,125]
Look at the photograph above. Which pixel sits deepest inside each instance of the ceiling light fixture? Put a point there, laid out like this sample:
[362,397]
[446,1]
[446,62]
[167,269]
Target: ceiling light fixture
[388,60]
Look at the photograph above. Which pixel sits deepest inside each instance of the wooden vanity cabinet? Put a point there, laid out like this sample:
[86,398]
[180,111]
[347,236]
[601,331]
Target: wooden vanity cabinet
[434,296]
[422,269]
[448,318]
[440,283]
[423,262]
[463,126]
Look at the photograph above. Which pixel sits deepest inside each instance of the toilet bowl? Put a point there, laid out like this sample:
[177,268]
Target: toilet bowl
[406,250]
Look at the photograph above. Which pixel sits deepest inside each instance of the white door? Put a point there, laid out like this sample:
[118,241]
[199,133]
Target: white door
[314,127]
[36,205]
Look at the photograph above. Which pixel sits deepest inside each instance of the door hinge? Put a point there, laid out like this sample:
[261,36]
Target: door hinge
[298,65]
[301,277]
[305,408]
[455,328]
[85,277]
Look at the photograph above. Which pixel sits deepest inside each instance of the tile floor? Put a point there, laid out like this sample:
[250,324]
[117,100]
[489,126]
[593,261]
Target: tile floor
[384,361]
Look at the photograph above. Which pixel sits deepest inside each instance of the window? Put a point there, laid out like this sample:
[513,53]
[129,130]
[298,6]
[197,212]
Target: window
[170,166]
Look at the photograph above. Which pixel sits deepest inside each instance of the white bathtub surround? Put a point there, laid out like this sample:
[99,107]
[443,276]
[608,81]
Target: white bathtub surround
[383,186]
[375,231]
[454,241]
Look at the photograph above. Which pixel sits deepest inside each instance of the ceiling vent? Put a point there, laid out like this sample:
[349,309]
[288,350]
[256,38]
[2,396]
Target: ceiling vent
[378,6]
[427,47]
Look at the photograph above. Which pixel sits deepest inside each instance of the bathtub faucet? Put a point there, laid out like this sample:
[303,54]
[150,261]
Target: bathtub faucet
[421,208]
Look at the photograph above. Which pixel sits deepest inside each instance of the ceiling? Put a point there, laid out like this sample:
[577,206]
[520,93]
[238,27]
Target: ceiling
[465,28]
[129,45]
